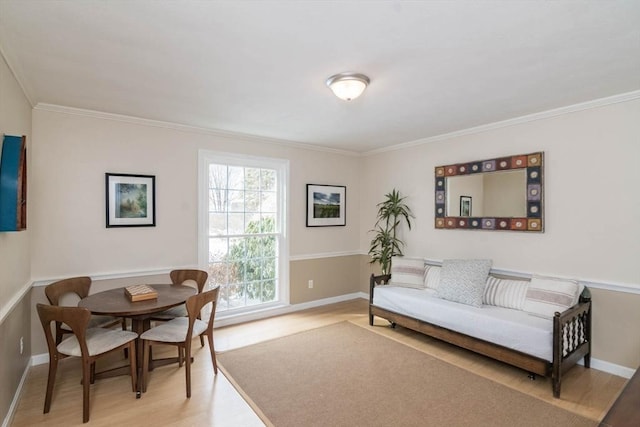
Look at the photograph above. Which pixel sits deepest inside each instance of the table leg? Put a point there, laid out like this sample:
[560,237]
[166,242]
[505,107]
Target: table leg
[139,326]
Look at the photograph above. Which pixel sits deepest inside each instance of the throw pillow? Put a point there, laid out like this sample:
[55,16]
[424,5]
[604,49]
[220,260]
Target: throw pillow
[432,277]
[548,295]
[463,280]
[505,293]
[407,272]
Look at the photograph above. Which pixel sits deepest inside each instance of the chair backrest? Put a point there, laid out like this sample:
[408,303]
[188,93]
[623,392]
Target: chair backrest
[76,318]
[77,285]
[196,302]
[178,277]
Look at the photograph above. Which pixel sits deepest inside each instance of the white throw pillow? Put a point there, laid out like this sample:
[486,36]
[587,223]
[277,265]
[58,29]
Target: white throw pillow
[463,280]
[548,295]
[432,277]
[505,293]
[407,272]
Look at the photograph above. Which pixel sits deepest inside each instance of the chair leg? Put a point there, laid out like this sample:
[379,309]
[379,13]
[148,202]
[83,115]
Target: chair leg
[92,375]
[145,365]
[201,337]
[86,383]
[213,353]
[187,362]
[180,356]
[124,328]
[133,366]
[53,367]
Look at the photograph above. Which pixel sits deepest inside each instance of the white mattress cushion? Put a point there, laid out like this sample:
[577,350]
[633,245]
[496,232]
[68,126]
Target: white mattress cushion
[510,328]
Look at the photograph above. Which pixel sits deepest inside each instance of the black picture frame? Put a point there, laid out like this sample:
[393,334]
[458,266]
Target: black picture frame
[465,206]
[130,200]
[326,205]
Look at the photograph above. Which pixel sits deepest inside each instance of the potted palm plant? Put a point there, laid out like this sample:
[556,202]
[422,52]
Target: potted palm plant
[385,244]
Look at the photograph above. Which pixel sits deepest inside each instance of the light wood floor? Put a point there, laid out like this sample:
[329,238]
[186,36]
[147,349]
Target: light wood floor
[215,402]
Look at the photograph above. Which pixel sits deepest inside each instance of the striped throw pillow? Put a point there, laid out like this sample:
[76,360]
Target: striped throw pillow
[407,272]
[546,295]
[505,293]
[432,276]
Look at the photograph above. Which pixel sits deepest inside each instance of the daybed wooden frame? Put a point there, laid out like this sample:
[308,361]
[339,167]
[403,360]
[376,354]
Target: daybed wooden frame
[571,337]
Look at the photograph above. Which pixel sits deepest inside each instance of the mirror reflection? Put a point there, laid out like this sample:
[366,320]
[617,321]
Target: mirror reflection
[501,194]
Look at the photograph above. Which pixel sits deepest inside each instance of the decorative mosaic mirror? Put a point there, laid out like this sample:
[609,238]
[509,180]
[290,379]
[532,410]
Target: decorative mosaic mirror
[496,194]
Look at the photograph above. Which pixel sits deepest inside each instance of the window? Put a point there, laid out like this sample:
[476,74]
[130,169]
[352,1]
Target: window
[242,229]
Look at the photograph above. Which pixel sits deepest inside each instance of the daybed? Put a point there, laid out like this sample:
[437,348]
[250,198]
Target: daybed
[541,325]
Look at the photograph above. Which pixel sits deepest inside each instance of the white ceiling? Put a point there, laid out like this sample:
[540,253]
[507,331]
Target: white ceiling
[259,67]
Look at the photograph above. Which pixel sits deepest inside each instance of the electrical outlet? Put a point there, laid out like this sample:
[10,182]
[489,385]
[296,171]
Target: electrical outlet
[21,345]
[310,284]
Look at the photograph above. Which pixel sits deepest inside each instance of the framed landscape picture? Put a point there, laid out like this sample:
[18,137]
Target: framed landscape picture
[465,205]
[131,200]
[326,205]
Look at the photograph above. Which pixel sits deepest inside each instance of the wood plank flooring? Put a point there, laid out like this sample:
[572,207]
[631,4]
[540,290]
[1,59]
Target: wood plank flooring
[214,401]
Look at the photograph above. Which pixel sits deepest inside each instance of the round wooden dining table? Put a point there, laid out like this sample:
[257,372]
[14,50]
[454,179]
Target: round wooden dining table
[115,302]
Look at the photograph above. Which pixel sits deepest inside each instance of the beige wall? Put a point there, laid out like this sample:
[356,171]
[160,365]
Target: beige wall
[15,119]
[332,276]
[72,153]
[592,230]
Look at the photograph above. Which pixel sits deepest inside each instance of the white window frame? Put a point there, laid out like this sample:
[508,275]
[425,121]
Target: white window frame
[207,157]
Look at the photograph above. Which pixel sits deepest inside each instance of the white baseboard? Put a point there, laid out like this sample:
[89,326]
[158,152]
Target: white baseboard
[39,359]
[16,397]
[610,368]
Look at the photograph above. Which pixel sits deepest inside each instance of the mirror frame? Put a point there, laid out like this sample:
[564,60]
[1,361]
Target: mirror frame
[533,222]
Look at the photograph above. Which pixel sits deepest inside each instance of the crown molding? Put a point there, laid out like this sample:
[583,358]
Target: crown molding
[188,128]
[595,103]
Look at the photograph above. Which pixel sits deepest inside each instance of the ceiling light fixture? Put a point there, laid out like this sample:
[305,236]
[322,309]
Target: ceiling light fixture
[348,86]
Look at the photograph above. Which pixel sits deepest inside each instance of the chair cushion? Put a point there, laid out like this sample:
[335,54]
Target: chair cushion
[174,331]
[99,340]
[172,313]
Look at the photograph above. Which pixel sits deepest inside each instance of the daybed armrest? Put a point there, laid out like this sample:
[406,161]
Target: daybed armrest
[571,338]
[574,324]
[377,281]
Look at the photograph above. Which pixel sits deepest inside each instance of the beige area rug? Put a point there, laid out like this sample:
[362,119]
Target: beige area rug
[346,375]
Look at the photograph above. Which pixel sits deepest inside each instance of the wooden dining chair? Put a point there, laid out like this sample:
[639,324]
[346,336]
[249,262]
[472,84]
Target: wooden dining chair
[180,332]
[56,292]
[86,343]
[186,277]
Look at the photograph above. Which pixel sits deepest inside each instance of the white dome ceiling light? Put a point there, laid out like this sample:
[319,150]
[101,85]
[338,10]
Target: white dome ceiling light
[348,86]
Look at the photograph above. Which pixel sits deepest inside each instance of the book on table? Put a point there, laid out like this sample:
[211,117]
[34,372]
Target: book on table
[140,292]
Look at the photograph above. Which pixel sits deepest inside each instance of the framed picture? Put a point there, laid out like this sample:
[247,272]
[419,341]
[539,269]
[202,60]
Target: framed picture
[326,205]
[465,205]
[131,200]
